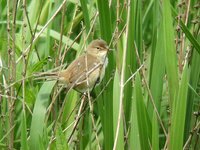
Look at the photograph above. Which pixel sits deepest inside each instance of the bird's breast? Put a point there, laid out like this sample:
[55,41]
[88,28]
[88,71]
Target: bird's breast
[103,69]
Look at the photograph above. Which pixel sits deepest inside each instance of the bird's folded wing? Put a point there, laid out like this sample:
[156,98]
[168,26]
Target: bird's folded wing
[76,71]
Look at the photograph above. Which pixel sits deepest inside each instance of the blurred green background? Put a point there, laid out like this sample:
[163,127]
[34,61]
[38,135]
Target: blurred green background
[150,95]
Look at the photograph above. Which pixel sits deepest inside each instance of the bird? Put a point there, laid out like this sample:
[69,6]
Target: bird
[86,70]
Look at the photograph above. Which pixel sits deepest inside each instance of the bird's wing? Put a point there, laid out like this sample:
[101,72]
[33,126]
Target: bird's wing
[76,71]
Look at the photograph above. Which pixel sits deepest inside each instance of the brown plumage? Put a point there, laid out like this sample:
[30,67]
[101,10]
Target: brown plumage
[75,75]
[89,66]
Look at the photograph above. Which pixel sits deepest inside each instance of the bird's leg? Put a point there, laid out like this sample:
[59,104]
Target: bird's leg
[98,81]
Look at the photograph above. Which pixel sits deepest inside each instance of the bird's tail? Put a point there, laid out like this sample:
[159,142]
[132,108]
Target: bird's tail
[46,75]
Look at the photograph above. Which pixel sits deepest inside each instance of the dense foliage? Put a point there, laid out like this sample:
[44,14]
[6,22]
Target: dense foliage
[150,95]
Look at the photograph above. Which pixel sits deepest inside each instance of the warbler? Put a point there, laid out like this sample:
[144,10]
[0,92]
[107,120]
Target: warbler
[87,70]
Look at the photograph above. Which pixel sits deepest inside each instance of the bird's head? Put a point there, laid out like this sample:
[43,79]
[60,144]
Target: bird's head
[98,48]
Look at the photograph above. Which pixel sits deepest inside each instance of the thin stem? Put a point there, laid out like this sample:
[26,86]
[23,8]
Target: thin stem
[149,92]
[57,59]
[32,37]
[61,36]
[186,21]
[84,109]
[12,69]
[90,104]
[30,28]
[77,119]
[62,56]
[93,121]
[188,142]
[183,36]
[24,58]
[42,30]
[134,74]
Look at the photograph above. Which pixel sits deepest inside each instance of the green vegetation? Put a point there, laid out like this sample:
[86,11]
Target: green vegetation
[148,99]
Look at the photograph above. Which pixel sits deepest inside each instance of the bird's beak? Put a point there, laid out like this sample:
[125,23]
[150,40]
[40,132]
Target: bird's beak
[107,48]
[110,50]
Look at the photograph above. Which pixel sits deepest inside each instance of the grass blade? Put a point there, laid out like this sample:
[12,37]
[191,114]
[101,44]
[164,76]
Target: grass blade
[39,112]
[60,139]
[106,34]
[194,77]
[158,72]
[190,37]
[134,138]
[24,143]
[170,51]
[143,122]
[130,62]
[116,102]
[155,133]
[179,114]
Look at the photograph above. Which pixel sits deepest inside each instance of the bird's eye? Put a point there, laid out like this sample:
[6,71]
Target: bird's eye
[98,48]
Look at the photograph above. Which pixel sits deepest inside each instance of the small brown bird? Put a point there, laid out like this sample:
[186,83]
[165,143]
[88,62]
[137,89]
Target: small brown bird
[87,70]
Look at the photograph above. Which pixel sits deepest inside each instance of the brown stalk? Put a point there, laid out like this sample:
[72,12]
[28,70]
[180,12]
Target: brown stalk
[149,92]
[61,36]
[178,29]
[11,69]
[194,129]
[92,101]
[69,34]
[182,38]
[31,43]
[58,57]
[77,118]
[24,58]
[61,110]
[42,30]
[9,73]
[30,28]
[90,104]
[84,109]
[60,114]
